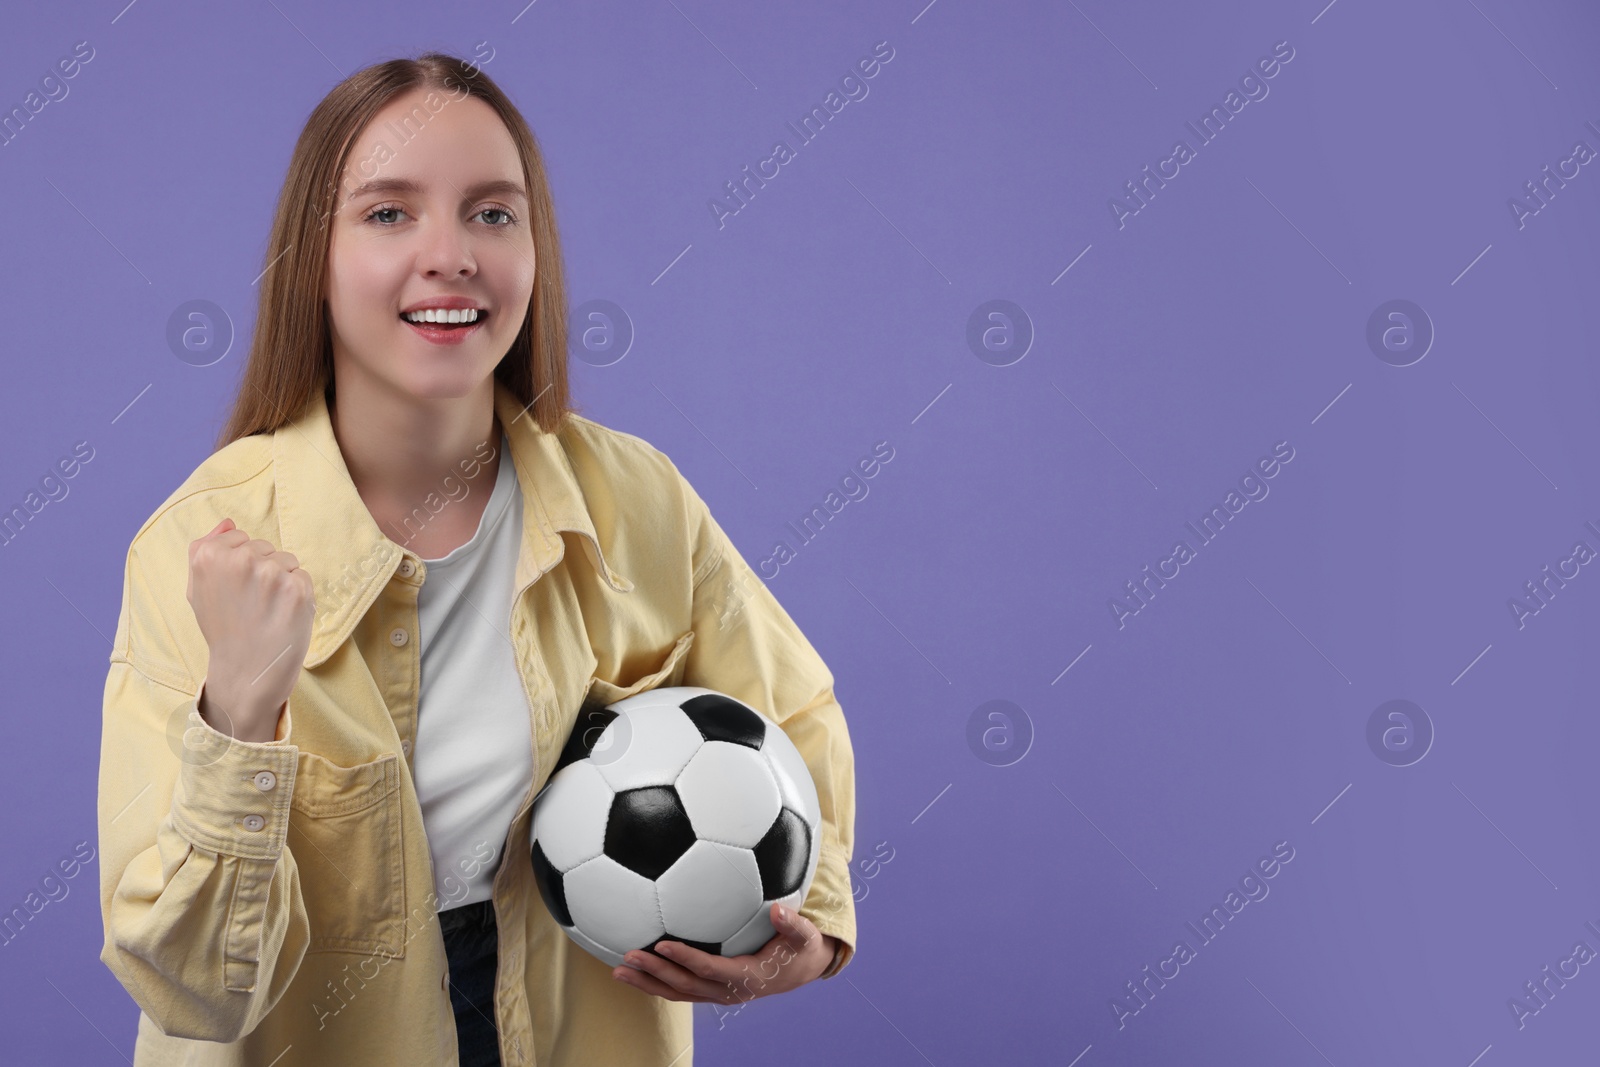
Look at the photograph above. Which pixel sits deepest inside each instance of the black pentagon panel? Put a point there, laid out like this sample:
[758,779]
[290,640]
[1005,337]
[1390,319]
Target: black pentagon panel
[782,855]
[721,718]
[593,717]
[648,830]
[550,886]
[712,947]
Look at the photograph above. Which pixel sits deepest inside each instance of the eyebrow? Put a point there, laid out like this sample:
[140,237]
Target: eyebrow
[389,186]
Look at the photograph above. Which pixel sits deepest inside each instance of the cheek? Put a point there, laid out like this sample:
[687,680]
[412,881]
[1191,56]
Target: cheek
[361,289]
[515,267]
[513,290]
[344,289]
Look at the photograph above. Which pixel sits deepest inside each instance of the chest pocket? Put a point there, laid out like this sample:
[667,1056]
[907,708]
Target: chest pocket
[345,833]
[670,673]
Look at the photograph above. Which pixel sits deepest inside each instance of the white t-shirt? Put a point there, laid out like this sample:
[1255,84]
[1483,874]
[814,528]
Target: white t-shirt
[474,749]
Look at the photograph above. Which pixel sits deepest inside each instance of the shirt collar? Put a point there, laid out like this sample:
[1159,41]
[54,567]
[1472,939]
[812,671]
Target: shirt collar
[325,524]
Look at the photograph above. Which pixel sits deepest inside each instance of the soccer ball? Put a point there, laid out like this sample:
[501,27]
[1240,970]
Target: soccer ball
[675,814]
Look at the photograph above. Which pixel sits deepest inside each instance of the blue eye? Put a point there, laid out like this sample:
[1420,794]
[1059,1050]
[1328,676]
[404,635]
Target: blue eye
[371,216]
[379,210]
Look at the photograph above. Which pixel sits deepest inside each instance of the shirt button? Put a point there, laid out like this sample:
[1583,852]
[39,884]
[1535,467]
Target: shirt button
[254,822]
[407,568]
[398,637]
[265,780]
[444,980]
[405,746]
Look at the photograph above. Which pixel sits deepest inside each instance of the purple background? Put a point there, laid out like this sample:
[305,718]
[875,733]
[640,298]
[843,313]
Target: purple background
[832,312]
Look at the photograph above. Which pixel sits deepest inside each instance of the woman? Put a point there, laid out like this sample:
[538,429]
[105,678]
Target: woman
[316,776]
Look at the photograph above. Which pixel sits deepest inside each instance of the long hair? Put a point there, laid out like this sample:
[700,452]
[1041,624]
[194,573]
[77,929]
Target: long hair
[291,353]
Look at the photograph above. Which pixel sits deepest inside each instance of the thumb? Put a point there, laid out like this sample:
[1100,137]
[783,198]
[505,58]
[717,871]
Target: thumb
[798,930]
[222,527]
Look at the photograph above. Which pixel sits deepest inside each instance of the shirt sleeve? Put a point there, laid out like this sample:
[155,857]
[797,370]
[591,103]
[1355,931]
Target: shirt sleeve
[747,646]
[200,898]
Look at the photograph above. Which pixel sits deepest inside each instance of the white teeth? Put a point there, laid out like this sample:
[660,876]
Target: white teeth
[438,315]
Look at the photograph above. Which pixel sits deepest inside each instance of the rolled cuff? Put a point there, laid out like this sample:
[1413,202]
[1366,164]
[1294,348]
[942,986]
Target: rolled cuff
[232,797]
[831,907]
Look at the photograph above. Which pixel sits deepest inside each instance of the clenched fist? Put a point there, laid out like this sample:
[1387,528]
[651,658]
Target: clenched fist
[255,606]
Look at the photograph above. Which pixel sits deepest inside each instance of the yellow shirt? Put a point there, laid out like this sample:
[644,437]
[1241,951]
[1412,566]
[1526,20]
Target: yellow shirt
[273,903]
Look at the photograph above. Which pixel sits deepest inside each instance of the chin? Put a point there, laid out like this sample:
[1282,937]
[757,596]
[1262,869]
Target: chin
[450,387]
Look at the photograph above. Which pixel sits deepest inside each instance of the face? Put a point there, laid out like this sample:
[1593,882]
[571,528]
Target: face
[443,214]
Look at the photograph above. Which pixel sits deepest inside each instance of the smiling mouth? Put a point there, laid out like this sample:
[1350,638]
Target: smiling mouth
[446,327]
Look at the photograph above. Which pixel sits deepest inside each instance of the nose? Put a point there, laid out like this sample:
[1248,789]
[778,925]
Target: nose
[447,252]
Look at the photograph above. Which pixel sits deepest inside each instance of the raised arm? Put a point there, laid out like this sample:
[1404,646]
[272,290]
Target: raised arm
[200,897]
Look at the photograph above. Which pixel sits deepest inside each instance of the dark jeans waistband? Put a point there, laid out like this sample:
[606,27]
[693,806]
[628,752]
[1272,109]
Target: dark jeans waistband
[477,916]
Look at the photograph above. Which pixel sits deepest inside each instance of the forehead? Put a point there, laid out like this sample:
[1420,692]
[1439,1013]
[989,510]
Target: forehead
[432,140]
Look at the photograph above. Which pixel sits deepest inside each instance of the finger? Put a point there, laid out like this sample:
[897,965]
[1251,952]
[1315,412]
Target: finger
[720,977]
[756,974]
[795,928]
[726,975]
[229,538]
[647,983]
[700,963]
[678,978]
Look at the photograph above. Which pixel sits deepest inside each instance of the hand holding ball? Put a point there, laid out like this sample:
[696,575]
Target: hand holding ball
[675,814]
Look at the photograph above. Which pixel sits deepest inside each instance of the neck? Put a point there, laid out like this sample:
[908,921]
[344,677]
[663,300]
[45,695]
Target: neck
[399,449]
